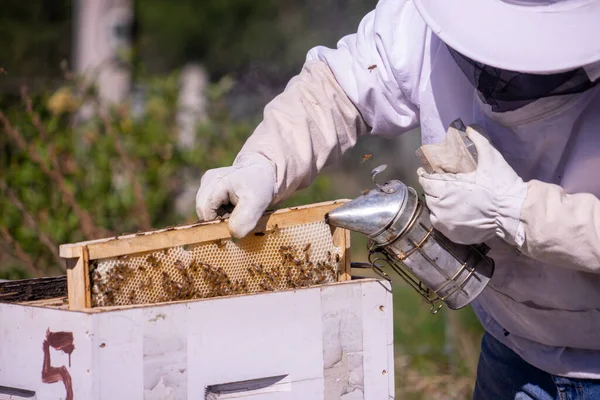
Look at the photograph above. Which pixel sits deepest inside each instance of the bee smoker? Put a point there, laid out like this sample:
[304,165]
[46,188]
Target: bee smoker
[401,237]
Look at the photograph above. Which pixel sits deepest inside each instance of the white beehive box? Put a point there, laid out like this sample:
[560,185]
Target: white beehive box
[330,341]
[188,313]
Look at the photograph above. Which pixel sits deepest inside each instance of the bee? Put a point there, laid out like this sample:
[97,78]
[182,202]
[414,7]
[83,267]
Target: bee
[220,243]
[364,192]
[142,268]
[366,157]
[264,285]
[275,229]
[166,251]
[132,296]
[328,256]
[307,247]
[258,269]
[153,261]
[372,67]
[194,266]
[337,258]
[179,265]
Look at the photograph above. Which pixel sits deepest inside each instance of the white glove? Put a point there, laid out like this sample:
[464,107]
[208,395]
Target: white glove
[474,207]
[249,184]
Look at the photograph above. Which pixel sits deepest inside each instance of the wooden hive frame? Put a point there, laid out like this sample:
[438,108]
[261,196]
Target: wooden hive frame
[79,255]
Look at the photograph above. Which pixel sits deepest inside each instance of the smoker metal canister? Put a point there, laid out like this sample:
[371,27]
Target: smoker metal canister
[397,223]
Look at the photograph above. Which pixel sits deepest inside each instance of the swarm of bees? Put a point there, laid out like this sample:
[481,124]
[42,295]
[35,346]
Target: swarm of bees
[136,280]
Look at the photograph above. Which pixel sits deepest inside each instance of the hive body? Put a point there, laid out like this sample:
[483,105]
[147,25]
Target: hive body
[326,342]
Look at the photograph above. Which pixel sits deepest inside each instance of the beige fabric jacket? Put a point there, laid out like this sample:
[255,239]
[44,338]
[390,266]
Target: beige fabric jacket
[393,75]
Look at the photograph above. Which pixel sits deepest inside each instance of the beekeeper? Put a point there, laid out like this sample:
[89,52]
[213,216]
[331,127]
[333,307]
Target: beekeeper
[526,71]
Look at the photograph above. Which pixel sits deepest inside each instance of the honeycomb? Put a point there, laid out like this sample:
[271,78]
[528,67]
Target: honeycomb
[279,259]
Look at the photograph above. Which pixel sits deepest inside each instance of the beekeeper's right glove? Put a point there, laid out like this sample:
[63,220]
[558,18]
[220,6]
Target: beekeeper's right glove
[249,185]
[305,128]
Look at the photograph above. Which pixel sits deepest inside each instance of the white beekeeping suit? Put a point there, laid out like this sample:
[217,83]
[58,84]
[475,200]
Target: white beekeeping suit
[534,197]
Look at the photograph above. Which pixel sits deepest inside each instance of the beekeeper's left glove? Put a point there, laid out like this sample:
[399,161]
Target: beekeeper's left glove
[474,207]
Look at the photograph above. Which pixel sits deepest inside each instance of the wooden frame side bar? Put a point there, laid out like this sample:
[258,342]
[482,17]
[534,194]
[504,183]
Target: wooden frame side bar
[341,238]
[78,280]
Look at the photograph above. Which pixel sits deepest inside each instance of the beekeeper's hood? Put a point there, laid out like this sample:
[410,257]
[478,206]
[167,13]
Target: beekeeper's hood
[516,51]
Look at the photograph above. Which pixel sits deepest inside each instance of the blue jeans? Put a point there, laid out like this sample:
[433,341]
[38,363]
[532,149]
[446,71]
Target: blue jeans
[503,375]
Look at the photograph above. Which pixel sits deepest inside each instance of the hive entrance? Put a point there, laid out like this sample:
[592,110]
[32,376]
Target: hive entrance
[291,248]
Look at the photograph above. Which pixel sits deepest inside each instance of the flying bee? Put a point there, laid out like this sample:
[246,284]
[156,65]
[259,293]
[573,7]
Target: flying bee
[366,157]
[372,67]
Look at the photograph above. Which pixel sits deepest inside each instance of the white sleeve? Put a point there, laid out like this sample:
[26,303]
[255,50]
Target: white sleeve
[369,84]
[561,229]
[381,68]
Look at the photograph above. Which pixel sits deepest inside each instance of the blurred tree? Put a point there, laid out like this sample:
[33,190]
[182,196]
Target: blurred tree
[35,39]
[235,35]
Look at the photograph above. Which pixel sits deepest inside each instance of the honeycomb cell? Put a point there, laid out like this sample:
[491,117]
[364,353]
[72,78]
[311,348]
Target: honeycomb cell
[283,258]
